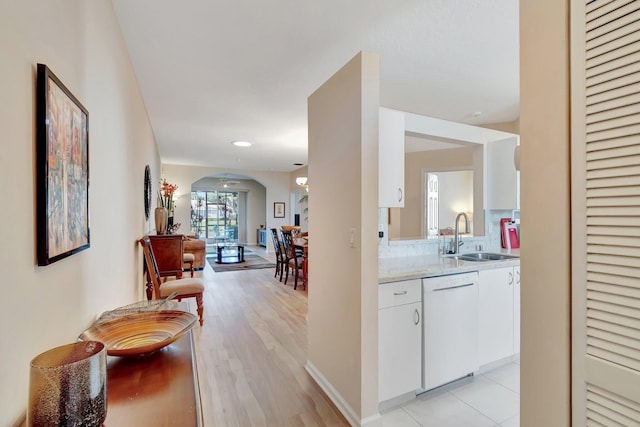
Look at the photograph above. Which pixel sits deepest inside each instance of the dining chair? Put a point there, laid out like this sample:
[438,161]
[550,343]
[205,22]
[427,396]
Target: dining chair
[191,287]
[278,248]
[293,260]
[287,230]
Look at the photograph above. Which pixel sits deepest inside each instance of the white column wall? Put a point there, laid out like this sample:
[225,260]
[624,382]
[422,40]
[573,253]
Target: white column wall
[545,216]
[342,321]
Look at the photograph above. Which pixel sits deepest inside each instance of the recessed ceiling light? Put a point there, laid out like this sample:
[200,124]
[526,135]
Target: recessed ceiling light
[476,113]
[241,143]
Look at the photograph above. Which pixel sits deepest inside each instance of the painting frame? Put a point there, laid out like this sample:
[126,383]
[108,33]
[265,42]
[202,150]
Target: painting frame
[62,170]
[278,209]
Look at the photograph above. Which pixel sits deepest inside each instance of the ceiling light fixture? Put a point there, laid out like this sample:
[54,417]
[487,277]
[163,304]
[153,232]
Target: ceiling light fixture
[241,143]
[302,182]
[226,183]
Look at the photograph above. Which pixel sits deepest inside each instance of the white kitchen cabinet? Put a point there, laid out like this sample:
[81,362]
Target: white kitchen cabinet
[502,180]
[399,338]
[516,310]
[390,158]
[496,315]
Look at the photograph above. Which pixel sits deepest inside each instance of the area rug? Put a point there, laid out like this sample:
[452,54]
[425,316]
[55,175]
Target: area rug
[251,262]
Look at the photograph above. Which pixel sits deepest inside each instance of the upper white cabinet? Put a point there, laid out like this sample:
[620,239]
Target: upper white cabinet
[391,129]
[502,180]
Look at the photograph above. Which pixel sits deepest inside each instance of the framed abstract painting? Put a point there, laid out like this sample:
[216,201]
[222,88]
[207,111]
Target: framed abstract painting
[62,170]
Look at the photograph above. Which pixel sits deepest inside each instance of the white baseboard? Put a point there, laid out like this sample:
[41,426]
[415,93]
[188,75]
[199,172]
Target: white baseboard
[372,421]
[498,363]
[337,399]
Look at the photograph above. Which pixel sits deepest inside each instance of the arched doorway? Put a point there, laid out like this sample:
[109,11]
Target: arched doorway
[226,207]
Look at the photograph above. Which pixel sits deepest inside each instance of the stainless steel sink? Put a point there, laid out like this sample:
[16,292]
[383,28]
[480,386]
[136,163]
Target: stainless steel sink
[482,256]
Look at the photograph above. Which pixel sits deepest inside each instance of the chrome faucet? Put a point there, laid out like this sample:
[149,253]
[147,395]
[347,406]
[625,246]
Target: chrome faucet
[456,240]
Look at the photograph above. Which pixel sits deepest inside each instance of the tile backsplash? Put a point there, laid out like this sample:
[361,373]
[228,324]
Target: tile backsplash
[420,247]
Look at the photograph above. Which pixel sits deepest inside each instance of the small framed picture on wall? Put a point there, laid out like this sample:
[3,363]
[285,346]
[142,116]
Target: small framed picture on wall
[278,209]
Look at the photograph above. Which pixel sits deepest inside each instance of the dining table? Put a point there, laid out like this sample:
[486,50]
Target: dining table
[303,243]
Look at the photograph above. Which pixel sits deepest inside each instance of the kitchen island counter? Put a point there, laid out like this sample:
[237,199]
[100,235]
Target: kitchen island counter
[416,267]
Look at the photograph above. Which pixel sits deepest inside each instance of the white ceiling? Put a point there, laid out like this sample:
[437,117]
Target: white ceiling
[213,71]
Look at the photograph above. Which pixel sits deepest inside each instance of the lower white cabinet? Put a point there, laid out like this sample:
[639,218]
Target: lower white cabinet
[496,320]
[399,338]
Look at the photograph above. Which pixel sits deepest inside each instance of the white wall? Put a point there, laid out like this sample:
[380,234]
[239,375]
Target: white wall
[415,163]
[50,306]
[455,196]
[545,215]
[343,291]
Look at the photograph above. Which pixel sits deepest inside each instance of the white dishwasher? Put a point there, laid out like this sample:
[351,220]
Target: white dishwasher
[450,312]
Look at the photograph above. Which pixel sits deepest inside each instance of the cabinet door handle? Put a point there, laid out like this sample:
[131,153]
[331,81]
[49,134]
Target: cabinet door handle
[510,278]
[518,278]
[416,318]
[400,293]
[399,194]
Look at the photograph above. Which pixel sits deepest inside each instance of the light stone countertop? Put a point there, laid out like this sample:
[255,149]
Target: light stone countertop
[416,267]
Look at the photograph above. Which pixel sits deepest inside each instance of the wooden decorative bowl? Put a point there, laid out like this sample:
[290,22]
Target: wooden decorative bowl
[141,333]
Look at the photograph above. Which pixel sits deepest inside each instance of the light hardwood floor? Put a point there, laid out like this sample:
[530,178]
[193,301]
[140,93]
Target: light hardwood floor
[251,353]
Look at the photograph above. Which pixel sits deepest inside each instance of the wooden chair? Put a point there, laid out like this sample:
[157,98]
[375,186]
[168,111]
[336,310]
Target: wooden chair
[191,287]
[287,231]
[279,251]
[168,252]
[293,259]
[188,260]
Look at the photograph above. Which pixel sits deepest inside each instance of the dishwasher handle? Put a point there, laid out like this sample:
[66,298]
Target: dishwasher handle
[453,287]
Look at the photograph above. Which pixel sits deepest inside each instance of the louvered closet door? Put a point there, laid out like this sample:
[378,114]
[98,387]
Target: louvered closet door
[605,42]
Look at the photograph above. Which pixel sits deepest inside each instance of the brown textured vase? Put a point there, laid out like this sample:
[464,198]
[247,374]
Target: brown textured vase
[68,386]
[161,220]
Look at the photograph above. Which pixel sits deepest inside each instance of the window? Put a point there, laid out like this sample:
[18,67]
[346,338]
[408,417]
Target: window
[214,215]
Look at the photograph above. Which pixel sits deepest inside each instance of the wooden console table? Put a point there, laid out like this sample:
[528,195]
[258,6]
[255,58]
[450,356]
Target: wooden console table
[156,390]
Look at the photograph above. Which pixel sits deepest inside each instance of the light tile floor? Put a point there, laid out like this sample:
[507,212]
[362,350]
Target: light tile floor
[488,399]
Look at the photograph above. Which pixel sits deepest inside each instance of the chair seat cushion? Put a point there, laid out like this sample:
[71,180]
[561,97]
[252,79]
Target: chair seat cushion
[188,257]
[189,285]
[292,262]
